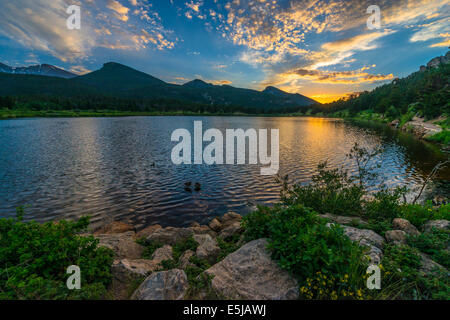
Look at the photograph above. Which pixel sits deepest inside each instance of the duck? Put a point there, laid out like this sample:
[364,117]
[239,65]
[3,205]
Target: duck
[197,186]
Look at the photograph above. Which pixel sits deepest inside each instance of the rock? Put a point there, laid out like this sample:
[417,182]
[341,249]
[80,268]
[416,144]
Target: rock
[126,273]
[438,224]
[170,235]
[114,227]
[123,244]
[195,224]
[343,219]
[395,236]
[369,239]
[405,225]
[145,233]
[163,285]
[394,123]
[249,273]
[204,230]
[163,253]
[231,230]
[429,266]
[229,219]
[215,225]
[421,129]
[184,259]
[207,248]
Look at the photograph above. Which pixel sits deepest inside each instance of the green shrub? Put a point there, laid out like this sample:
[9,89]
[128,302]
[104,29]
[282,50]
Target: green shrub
[434,243]
[385,205]
[402,278]
[419,214]
[34,259]
[331,191]
[302,244]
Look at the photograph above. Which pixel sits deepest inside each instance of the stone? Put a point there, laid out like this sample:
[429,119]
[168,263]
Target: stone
[395,236]
[195,224]
[250,274]
[343,219]
[215,225]
[367,238]
[207,247]
[145,233]
[184,259]
[163,253]
[126,273]
[163,285]
[230,231]
[204,230]
[428,266]
[114,227]
[170,235]
[405,225]
[123,244]
[438,224]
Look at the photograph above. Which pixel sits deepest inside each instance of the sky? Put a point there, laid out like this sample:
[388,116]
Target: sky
[322,49]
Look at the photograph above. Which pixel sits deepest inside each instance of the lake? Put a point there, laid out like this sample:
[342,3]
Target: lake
[121,168]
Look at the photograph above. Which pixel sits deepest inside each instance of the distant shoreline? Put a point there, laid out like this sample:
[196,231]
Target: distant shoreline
[19,114]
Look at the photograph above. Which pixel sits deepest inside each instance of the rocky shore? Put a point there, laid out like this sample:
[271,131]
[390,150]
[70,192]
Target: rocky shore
[248,272]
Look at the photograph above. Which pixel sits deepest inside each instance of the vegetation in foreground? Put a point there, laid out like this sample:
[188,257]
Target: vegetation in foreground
[330,266]
[35,257]
[326,263]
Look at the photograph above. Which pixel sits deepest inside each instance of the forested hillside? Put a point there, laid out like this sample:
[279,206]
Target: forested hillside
[426,93]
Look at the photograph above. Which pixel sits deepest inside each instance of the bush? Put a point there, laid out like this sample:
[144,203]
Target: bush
[302,244]
[418,214]
[35,258]
[330,191]
[402,278]
[435,244]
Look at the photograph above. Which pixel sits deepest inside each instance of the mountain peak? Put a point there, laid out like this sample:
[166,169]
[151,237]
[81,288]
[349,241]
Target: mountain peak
[38,69]
[273,90]
[197,83]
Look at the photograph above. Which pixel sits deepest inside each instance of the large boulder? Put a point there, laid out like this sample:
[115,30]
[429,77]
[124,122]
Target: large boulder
[249,273]
[123,244]
[146,232]
[438,224]
[207,247]
[170,235]
[163,285]
[126,273]
[405,225]
[367,238]
[163,253]
[114,227]
[395,236]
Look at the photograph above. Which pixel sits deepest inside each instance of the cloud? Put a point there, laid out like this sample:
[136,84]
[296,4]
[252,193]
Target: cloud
[40,26]
[120,10]
[439,29]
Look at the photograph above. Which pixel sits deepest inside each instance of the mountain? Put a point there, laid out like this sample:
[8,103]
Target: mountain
[119,78]
[40,69]
[129,87]
[295,98]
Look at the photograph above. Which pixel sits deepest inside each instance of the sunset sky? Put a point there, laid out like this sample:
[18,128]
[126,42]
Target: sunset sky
[322,49]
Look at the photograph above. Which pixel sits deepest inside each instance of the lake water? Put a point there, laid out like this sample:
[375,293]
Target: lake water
[121,169]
